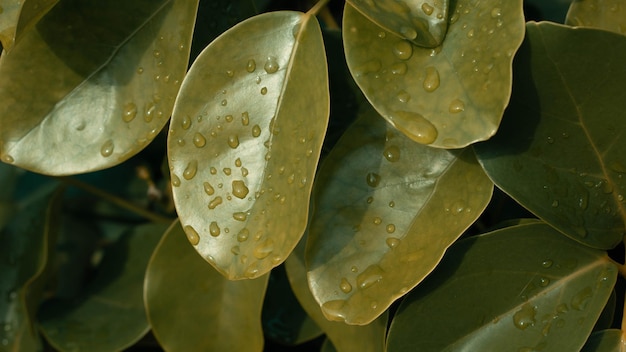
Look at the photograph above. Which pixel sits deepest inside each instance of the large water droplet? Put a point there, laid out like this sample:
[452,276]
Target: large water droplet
[392,153]
[372,179]
[403,50]
[130,111]
[239,189]
[190,170]
[372,275]
[233,141]
[214,229]
[345,286]
[199,140]
[525,317]
[208,189]
[427,9]
[415,126]
[107,148]
[192,234]
[333,310]
[264,249]
[271,65]
[431,81]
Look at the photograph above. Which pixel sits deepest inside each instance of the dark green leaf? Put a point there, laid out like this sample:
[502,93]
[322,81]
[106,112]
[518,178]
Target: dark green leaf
[605,341]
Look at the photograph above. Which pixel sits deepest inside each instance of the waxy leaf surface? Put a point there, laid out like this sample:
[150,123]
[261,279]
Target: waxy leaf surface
[604,341]
[524,288]
[380,202]
[560,151]
[110,315]
[449,96]
[423,22]
[245,139]
[609,15]
[92,83]
[192,307]
[367,338]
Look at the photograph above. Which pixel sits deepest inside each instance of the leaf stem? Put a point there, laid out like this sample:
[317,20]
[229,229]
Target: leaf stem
[317,7]
[122,203]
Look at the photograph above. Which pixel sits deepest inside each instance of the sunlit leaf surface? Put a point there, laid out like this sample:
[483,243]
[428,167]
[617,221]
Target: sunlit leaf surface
[110,316]
[192,307]
[525,288]
[560,151]
[245,139]
[422,22]
[9,16]
[92,83]
[380,202]
[368,338]
[603,14]
[604,341]
[449,96]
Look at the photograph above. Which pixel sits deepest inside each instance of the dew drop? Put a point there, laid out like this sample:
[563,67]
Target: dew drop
[264,249]
[399,68]
[456,106]
[391,228]
[392,242]
[227,171]
[233,141]
[403,96]
[199,140]
[245,118]
[107,148]
[427,9]
[271,65]
[190,170]
[175,180]
[215,202]
[403,50]
[392,153]
[251,66]
[238,162]
[547,263]
[243,235]
[244,172]
[544,281]
[496,12]
[377,220]
[431,81]
[214,229]
[208,189]
[370,200]
[192,235]
[212,170]
[228,118]
[256,131]
[345,286]
[333,310]
[239,189]
[372,275]
[373,179]
[263,90]
[7,159]
[224,102]
[408,32]
[470,33]
[415,126]
[186,123]
[525,317]
[130,111]
[240,216]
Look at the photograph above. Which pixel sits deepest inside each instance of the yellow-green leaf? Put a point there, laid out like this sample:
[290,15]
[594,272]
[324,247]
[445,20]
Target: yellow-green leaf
[380,202]
[449,96]
[192,307]
[422,22]
[368,338]
[524,288]
[9,16]
[92,83]
[603,14]
[245,139]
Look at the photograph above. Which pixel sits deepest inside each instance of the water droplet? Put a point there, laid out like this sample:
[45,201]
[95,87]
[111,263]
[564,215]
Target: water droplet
[224,102]
[230,73]
[398,68]
[243,235]
[264,249]
[227,171]
[392,153]
[228,118]
[240,216]
[130,111]
[263,90]
[239,189]
[391,228]
[256,131]
[372,179]
[190,170]
[547,263]
[392,204]
[415,126]
[377,220]
[7,159]
[496,12]
[139,70]
[175,180]
[107,148]
[427,9]
[156,54]
[403,96]
[354,269]
[244,172]
[456,106]
[431,81]
[233,141]
[192,235]
[580,300]
[345,286]
[251,66]
[245,118]
[271,65]
[333,310]
[392,242]
[214,229]
[555,203]
[544,281]
[525,317]
[408,32]
[208,189]
[372,275]
[186,123]
[403,50]
[215,202]
[470,33]
[199,140]
[212,170]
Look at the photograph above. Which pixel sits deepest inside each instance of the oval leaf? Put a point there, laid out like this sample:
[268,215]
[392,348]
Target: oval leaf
[559,151]
[204,311]
[380,201]
[245,139]
[524,288]
[92,83]
[603,14]
[422,22]
[450,96]
[110,314]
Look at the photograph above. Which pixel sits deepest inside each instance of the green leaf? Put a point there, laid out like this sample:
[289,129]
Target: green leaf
[524,288]
[449,96]
[92,83]
[422,22]
[245,139]
[192,307]
[559,151]
[110,315]
[603,14]
[24,250]
[9,16]
[604,341]
[367,338]
[380,201]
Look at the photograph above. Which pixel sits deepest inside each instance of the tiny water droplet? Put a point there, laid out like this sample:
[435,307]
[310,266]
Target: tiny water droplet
[186,123]
[240,216]
[190,170]
[263,90]
[403,50]
[256,131]
[431,80]
[544,281]
[547,263]
[372,275]
[192,234]
[251,66]
[214,229]
[456,106]
[427,9]
[392,242]
[175,180]
[245,118]
[239,189]
[496,12]
[403,96]
[7,159]
[377,221]
[224,102]
[243,235]
[107,148]
[372,179]
[391,228]
[345,286]
[130,111]
[392,153]
[271,65]
[227,171]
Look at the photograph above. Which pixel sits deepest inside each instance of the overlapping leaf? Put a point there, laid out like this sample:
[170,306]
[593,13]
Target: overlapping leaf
[110,315]
[560,150]
[604,341]
[92,83]
[381,200]
[449,96]
[603,14]
[192,307]
[245,138]
[422,22]
[368,338]
[524,288]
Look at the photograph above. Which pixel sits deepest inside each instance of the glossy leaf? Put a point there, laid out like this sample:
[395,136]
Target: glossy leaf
[205,311]
[380,201]
[9,16]
[91,95]
[110,315]
[523,288]
[368,338]
[245,138]
[422,22]
[449,96]
[559,151]
[603,14]
[24,249]
[604,341]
